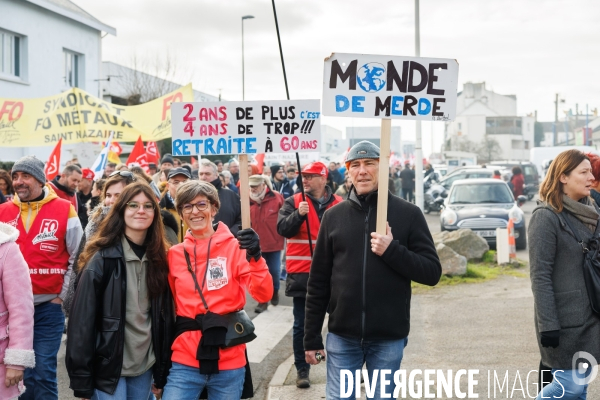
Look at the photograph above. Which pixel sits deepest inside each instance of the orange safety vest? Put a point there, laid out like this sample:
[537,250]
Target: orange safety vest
[298,257]
[43,247]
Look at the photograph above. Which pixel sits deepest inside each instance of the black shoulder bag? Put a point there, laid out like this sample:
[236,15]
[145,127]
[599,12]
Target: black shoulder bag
[591,266]
[240,328]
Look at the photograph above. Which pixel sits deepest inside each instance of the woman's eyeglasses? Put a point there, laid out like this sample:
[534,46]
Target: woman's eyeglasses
[134,206]
[124,174]
[201,206]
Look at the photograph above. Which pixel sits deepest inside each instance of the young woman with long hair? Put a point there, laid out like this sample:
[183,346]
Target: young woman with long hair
[564,320]
[122,317]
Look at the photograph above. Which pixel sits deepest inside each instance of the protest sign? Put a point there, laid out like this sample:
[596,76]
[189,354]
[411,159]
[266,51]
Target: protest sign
[376,86]
[76,116]
[246,127]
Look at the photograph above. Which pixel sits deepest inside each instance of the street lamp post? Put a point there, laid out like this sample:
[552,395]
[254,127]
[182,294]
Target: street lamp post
[418,135]
[243,83]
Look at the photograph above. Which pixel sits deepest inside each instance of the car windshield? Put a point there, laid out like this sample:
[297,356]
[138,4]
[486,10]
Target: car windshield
[481,193]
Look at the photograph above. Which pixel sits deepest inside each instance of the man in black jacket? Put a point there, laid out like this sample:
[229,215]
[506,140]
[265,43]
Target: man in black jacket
[363,278]
[230,212]
[292,224]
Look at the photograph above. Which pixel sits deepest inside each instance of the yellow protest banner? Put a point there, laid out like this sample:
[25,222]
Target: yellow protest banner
[76,116]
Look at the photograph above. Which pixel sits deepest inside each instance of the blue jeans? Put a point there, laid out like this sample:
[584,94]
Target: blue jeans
[129,388]
[350,354]
[48,326]
[569,389]
[298,333]
[273,259]
[187,383]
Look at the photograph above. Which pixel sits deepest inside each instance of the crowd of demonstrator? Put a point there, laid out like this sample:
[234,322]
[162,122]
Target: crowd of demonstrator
[152,271]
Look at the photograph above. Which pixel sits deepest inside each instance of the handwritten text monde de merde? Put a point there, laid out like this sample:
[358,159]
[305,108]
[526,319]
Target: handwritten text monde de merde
[368,86]
[246,127]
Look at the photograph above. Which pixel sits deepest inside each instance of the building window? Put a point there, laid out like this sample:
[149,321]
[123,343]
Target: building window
[10,54]
[72,68]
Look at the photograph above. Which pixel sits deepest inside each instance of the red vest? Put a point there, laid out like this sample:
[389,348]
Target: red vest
[297,259]
[44,247]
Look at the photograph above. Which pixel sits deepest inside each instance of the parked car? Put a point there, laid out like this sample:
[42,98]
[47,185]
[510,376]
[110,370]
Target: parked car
[483,205]
[466,173]
[530,173]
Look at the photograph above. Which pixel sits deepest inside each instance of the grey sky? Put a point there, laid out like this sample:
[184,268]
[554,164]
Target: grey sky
[531,48]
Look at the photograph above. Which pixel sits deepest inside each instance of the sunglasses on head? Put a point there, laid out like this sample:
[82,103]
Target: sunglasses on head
[124,174]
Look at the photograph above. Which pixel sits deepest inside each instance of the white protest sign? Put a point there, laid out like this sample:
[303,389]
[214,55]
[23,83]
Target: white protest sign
[246,127]
[375,86]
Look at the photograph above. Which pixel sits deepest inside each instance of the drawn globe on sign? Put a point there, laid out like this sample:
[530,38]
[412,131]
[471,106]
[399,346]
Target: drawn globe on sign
[370,77]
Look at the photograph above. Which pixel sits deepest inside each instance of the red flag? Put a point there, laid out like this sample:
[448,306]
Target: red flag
[152,153]
[138,156]
[259,161]
[53,164]
[194,162]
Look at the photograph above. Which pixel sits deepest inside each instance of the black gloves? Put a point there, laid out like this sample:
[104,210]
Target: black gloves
[550,338]
[250,241]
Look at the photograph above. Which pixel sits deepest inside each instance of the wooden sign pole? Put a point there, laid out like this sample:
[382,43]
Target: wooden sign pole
[244,191]
[384,171]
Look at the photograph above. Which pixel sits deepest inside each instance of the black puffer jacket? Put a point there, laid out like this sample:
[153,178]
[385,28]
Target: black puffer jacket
[94,356]
[367,296]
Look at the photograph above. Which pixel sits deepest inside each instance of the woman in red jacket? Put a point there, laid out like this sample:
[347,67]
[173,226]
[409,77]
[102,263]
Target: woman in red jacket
[222,267]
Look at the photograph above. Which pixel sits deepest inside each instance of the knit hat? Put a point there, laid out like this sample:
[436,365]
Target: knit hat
[167,158]
[362,149]
[275,168]
[32,166]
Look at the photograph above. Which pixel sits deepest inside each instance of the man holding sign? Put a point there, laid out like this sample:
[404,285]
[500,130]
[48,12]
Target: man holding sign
[364,278]
[292,225]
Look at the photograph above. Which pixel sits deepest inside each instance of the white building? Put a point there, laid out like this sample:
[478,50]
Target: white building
[120,82]
[46,47]
[482,113]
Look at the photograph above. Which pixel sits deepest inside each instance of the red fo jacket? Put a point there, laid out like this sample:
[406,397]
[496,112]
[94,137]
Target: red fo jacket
[298,251]
[264,221]
[228,275]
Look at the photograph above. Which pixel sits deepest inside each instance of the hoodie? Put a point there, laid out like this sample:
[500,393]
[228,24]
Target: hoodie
[28,212]
[223,281]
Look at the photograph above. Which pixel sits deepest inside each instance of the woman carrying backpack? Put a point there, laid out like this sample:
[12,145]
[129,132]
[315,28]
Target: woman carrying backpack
[122,316]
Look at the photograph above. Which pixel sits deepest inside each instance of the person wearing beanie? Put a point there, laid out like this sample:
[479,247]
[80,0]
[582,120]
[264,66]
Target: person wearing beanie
[49,236]
[299,221]
[167,161]
[280,182]
[264,208]
[363,279]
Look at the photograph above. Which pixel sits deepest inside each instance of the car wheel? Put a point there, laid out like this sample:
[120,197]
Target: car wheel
[521,241]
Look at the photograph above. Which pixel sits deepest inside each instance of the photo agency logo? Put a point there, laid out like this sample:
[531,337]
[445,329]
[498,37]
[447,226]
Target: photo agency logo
[459,384]
[584,368]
